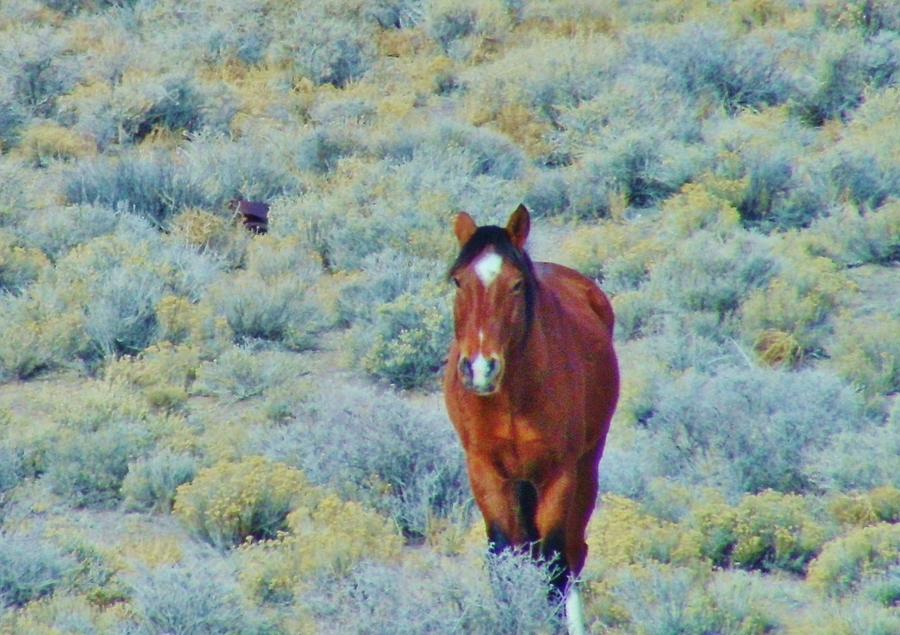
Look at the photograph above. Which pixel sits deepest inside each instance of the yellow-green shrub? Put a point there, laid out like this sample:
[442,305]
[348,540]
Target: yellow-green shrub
[622,534]
[230,502]
[48,140]
[163,373]
[867,353]
[879,505]
[796,302]
[19,265]
[695,208]
[763,531]
[620,254]
[861,553]
[324,537]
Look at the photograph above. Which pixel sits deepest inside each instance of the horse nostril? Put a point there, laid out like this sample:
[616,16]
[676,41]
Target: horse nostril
[465,368]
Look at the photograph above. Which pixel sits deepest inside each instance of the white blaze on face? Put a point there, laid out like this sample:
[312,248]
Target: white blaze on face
[488,268]
[480,371]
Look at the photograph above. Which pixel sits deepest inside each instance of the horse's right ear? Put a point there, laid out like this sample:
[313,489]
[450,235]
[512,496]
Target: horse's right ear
[464,227]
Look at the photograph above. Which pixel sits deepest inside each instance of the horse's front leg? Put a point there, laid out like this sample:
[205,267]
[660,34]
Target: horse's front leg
[562,547]
[508,520]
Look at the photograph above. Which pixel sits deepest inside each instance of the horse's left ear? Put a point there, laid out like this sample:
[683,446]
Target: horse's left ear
[518,226]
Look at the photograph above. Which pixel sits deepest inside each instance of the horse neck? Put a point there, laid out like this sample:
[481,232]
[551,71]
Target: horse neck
[530,362]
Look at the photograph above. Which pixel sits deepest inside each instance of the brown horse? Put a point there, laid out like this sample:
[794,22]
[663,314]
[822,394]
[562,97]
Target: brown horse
[531,385]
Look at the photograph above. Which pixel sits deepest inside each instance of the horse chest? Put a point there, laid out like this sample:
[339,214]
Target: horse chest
[519,448]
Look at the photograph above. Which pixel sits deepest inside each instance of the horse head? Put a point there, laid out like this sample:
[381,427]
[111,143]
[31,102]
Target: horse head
[495,298]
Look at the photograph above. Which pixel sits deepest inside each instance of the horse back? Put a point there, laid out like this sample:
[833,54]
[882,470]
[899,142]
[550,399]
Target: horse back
[580,297]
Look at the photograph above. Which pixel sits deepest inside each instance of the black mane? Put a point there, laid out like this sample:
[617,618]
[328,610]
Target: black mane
[496,237]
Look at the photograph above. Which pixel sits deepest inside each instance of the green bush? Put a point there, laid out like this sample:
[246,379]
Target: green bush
[746,430]
[242,373]
[89,469]
[151,482]
[847,561]
[230,502]
[439,595]
[326,47]
[406,341]
[881,504]
[866,353]
[191,597]
[29,569]
[325,539]
[402,461]
[146,183]
[55,230]
[858,460]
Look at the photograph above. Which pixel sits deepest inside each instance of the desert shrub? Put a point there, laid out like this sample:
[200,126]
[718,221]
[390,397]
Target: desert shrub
[42,143]
[320,151]
[191,597]
[765,531]
[641,168]
[256,167]
[399,206]
[89,469]
[440,596]
[861,553]
[242,373]
[705,58]
[662,599]
[748,429]
[850,615]
[151,482]
[878,505]
[30,568]
[325,538]
[162,373]
[798,302]
[858,460]
[708,274]
[861,166]
[640,102]
[402,461]
[385,277]
[696,208]
[149,184]
[867,354]
[139,104]
[869,16]
[406,341]
[37,67]
[55,230]
[267,308]
[63,613]
[620,255]
[846,67]
[764,151]
[116,286]
[492,153]
[38,333]
[856,237]
[622,533]
[19,265]
[326,48]
[211,233]
[230,502]
[544,76]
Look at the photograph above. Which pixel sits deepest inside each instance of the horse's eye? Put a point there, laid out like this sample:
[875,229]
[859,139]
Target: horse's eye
[455,281]
[518,286]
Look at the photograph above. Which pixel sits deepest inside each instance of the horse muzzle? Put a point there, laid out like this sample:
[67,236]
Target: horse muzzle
[481,375]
